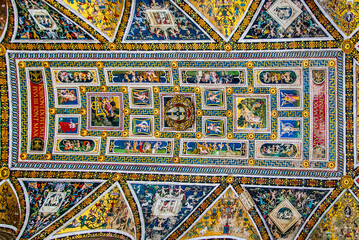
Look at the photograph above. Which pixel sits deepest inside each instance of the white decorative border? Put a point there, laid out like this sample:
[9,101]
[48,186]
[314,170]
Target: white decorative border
[205,107]
[290,118]
[106,72]
[297,83]
[259,143]
[152,125]
[57,116]
[130,97]
[268,118]
[224,119]
[56,96]
[59,84]
[181,71]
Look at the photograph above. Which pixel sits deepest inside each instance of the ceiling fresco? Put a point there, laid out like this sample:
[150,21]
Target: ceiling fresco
[179,119]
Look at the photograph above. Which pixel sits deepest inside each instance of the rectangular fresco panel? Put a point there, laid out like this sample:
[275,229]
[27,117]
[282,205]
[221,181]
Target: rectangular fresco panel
[37,110]
[319,106]
[144,113]
[251,113]
[131,76]
[217,76]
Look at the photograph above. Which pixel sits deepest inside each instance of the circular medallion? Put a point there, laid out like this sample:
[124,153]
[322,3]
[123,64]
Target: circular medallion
[101,158]
[112,46]
[306,164]
[346,182]
[83,89]
[21,64]
[228,47]
[229,90]
[250,89]
[48,156]
[331,165]
[116,177]
[84,132]
[23,155]
[4,173]
[157,134]
[104,134]
[176,88]
[251,136]
[306,63]
[348,46]
[230,179]
[230,135]
[273,136]
[99,64]
[199,135]
[175,159]
[124,90]
[250,65]
[332,63]
[174,65]
[273,91]
[156,111]
[197,90]
[305,113]
[2,50]
[103,88]
[229,113]
[52,111]
[251,162]
[83,111]
[179,113]
[46,64]
[125,133]
[274,113]
[156,89]
[126,111]
[178,135]
[199,112]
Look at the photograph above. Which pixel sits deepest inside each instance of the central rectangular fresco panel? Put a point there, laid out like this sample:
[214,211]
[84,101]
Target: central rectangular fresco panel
[248,115]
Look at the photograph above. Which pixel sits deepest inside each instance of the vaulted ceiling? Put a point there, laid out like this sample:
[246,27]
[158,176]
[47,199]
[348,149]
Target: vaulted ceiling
[179,119]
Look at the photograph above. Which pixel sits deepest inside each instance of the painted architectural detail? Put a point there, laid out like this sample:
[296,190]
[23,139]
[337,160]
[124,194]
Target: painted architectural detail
[104,15]
[343,13]
[161,20]
[37,21]
[164,206]
[223,16]
[49,200]
[286,210]
[9,207]
[111,211]
[341,221]
[285,19]
[227,216]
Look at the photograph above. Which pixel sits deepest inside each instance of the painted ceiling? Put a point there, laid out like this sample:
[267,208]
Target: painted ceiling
[179,119]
